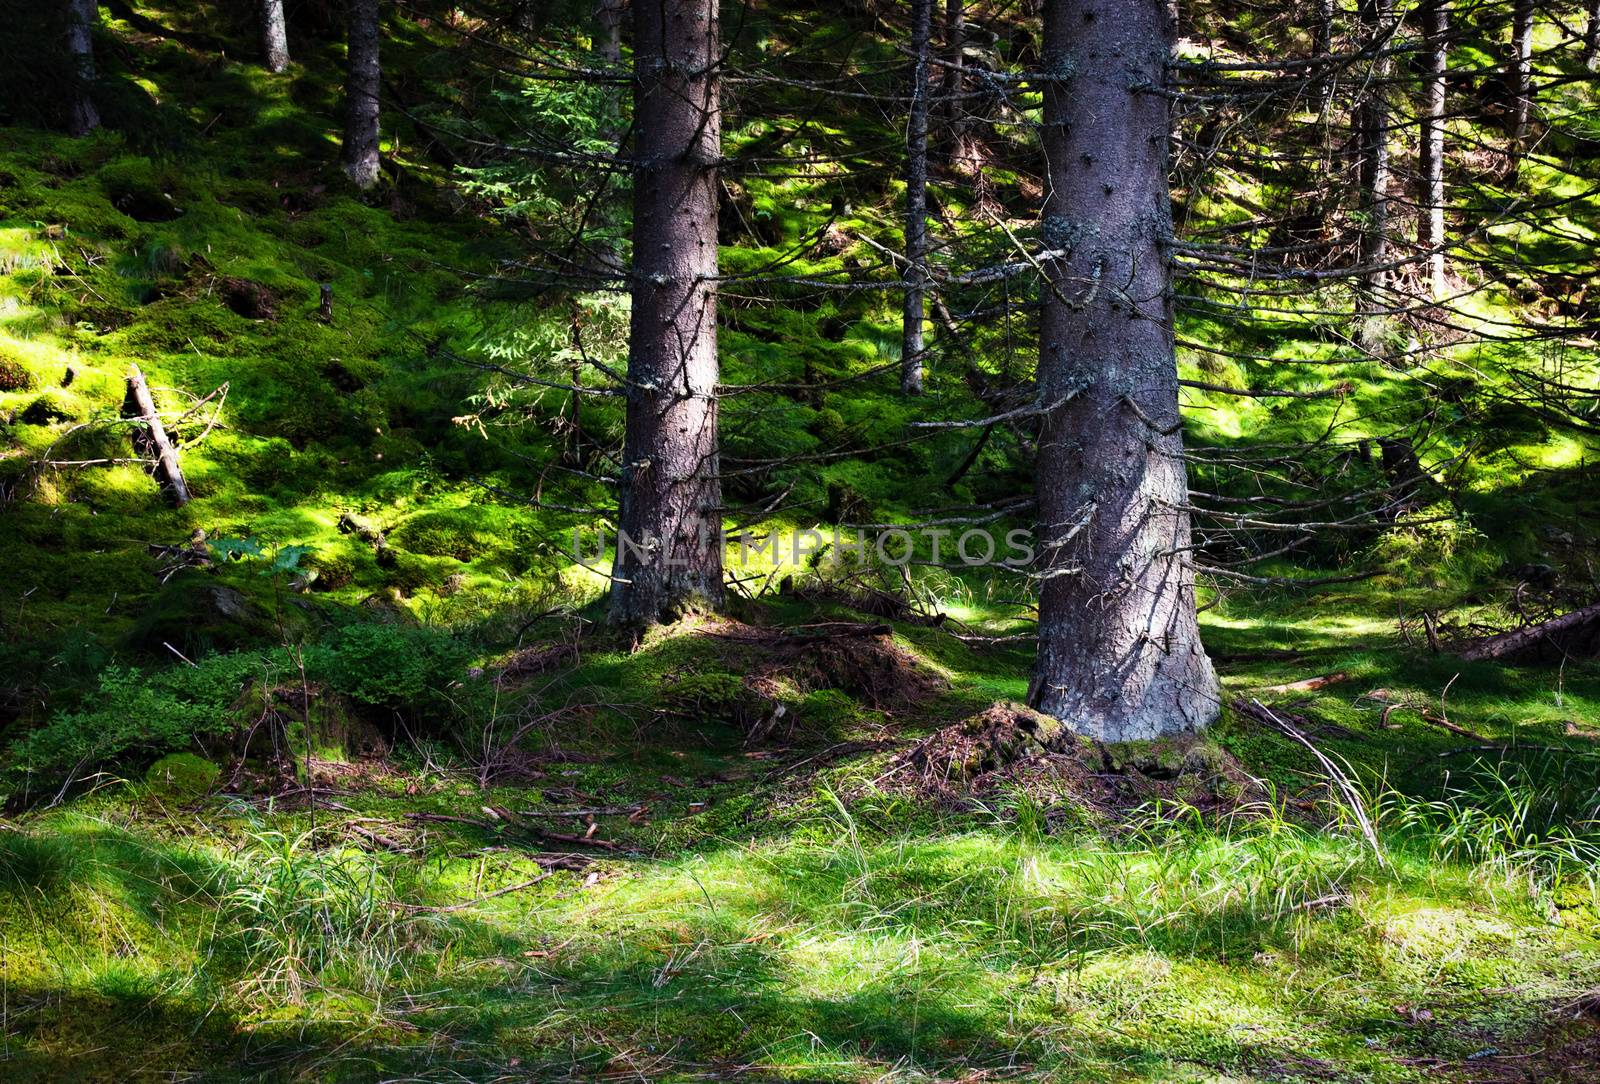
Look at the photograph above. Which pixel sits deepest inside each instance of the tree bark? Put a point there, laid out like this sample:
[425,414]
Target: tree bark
[362,75]
[1372,140]
[1119,647]
[274,36]
[82,17]
[1591,34]
[608,13]
[1430,220]
[955,61]
[1521,73]
[1324,47]
[916,274]
[669,552]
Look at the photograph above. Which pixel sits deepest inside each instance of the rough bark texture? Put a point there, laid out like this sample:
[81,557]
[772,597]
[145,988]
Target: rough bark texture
[671,494]
[1521,72]
[1372,141]
[361,94]
[1430,156]
[82,16]
[274,36]
[916,275]
[1119,649]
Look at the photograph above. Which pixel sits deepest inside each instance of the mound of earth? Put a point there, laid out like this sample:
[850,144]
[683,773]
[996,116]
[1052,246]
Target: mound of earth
[1010,746]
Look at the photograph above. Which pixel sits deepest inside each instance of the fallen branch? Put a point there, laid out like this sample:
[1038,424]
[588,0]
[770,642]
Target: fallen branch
[166,455]
[1392,704]
[1308,684]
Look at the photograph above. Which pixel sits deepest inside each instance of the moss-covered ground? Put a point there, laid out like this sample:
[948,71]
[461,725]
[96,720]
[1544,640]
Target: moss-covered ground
[534,851]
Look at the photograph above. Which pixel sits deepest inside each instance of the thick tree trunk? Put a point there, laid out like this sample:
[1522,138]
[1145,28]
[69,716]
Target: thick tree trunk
[1119,647]
[669,554]
[82,17]
[362,76]
[274,36]
[1372,142]
[916,274]
[1521,73]
[1430,218]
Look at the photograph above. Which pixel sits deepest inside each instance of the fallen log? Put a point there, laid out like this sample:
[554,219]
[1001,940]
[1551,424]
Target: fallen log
[1507,644]
[161,446]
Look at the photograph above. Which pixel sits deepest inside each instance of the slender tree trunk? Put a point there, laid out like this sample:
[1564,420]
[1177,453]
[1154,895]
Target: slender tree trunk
[1430,220]
[82,17]
[669,553]
[955,62]
[1372,139]
[608,13]
[1521,73]
[916,274]
[1591,34]
[1119,647]
[361,94]
[1324,47]
[274,36]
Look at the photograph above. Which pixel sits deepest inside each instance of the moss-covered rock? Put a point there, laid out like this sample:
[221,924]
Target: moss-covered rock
[180,778]
[196,613]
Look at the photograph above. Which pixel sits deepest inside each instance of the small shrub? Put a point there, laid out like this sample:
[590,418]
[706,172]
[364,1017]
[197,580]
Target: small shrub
[136,714]
[418,672]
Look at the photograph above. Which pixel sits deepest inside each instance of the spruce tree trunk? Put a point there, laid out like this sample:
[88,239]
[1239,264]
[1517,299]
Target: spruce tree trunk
[669,554]
[1521,73]
[1119,647]
[274,36]
[955,44]
[1372,141]
[82,17]
[955,61]
[1430,157]
[1324,47]
[1591,34]
[916,274]
[608,13]
[361,93]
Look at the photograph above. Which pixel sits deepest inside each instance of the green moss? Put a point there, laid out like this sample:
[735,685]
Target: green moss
[181,778]
[53,406]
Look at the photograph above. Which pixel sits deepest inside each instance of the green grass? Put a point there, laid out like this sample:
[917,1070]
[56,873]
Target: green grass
[850,939]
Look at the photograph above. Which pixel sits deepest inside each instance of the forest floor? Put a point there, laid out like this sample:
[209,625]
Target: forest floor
[657,897]
[623,863]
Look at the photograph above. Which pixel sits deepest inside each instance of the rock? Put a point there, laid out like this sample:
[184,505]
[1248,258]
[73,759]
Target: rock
[196,614]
